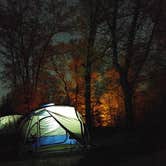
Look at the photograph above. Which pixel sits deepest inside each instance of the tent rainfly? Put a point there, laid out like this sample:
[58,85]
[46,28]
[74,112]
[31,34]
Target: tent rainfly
[58,128]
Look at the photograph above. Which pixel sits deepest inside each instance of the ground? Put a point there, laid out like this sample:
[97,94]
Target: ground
[114,147]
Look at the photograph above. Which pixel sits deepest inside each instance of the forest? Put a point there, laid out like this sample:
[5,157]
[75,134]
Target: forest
[106,58]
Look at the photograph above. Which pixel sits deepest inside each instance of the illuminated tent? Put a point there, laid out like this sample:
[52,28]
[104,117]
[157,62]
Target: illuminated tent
[8,124]
[53,128]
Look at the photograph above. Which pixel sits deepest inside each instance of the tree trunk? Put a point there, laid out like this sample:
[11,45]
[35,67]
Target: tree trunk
[128,101]
[88,95]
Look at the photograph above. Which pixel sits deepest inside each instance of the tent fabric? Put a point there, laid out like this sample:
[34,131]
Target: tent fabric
[59,139]
[69,118]
[8,124]
[53,125]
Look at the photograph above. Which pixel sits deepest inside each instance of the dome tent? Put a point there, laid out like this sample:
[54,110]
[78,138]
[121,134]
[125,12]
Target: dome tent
[57,128]
[8,132]
[8,124]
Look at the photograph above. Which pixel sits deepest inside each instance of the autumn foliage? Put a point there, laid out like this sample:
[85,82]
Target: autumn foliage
[113,62]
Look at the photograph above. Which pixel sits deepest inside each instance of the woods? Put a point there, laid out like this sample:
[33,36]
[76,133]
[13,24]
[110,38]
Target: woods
[106,58]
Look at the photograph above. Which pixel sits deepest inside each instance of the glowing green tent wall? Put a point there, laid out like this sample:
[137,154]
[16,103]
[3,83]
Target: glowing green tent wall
[8,124]
[60,127]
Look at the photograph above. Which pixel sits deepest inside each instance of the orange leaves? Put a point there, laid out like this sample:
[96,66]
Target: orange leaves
[112,74]
[23,103]
[96,76]
[109,100]
[109,108]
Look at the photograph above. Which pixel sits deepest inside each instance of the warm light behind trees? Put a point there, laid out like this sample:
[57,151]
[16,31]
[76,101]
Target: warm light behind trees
[111,67]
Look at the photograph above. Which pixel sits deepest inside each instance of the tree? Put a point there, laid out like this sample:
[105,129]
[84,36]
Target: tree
[27,28]
[60,67]
[91,18]
[131,37]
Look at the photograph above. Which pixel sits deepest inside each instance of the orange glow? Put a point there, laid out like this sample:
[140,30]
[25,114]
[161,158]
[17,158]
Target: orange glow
[107,107]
